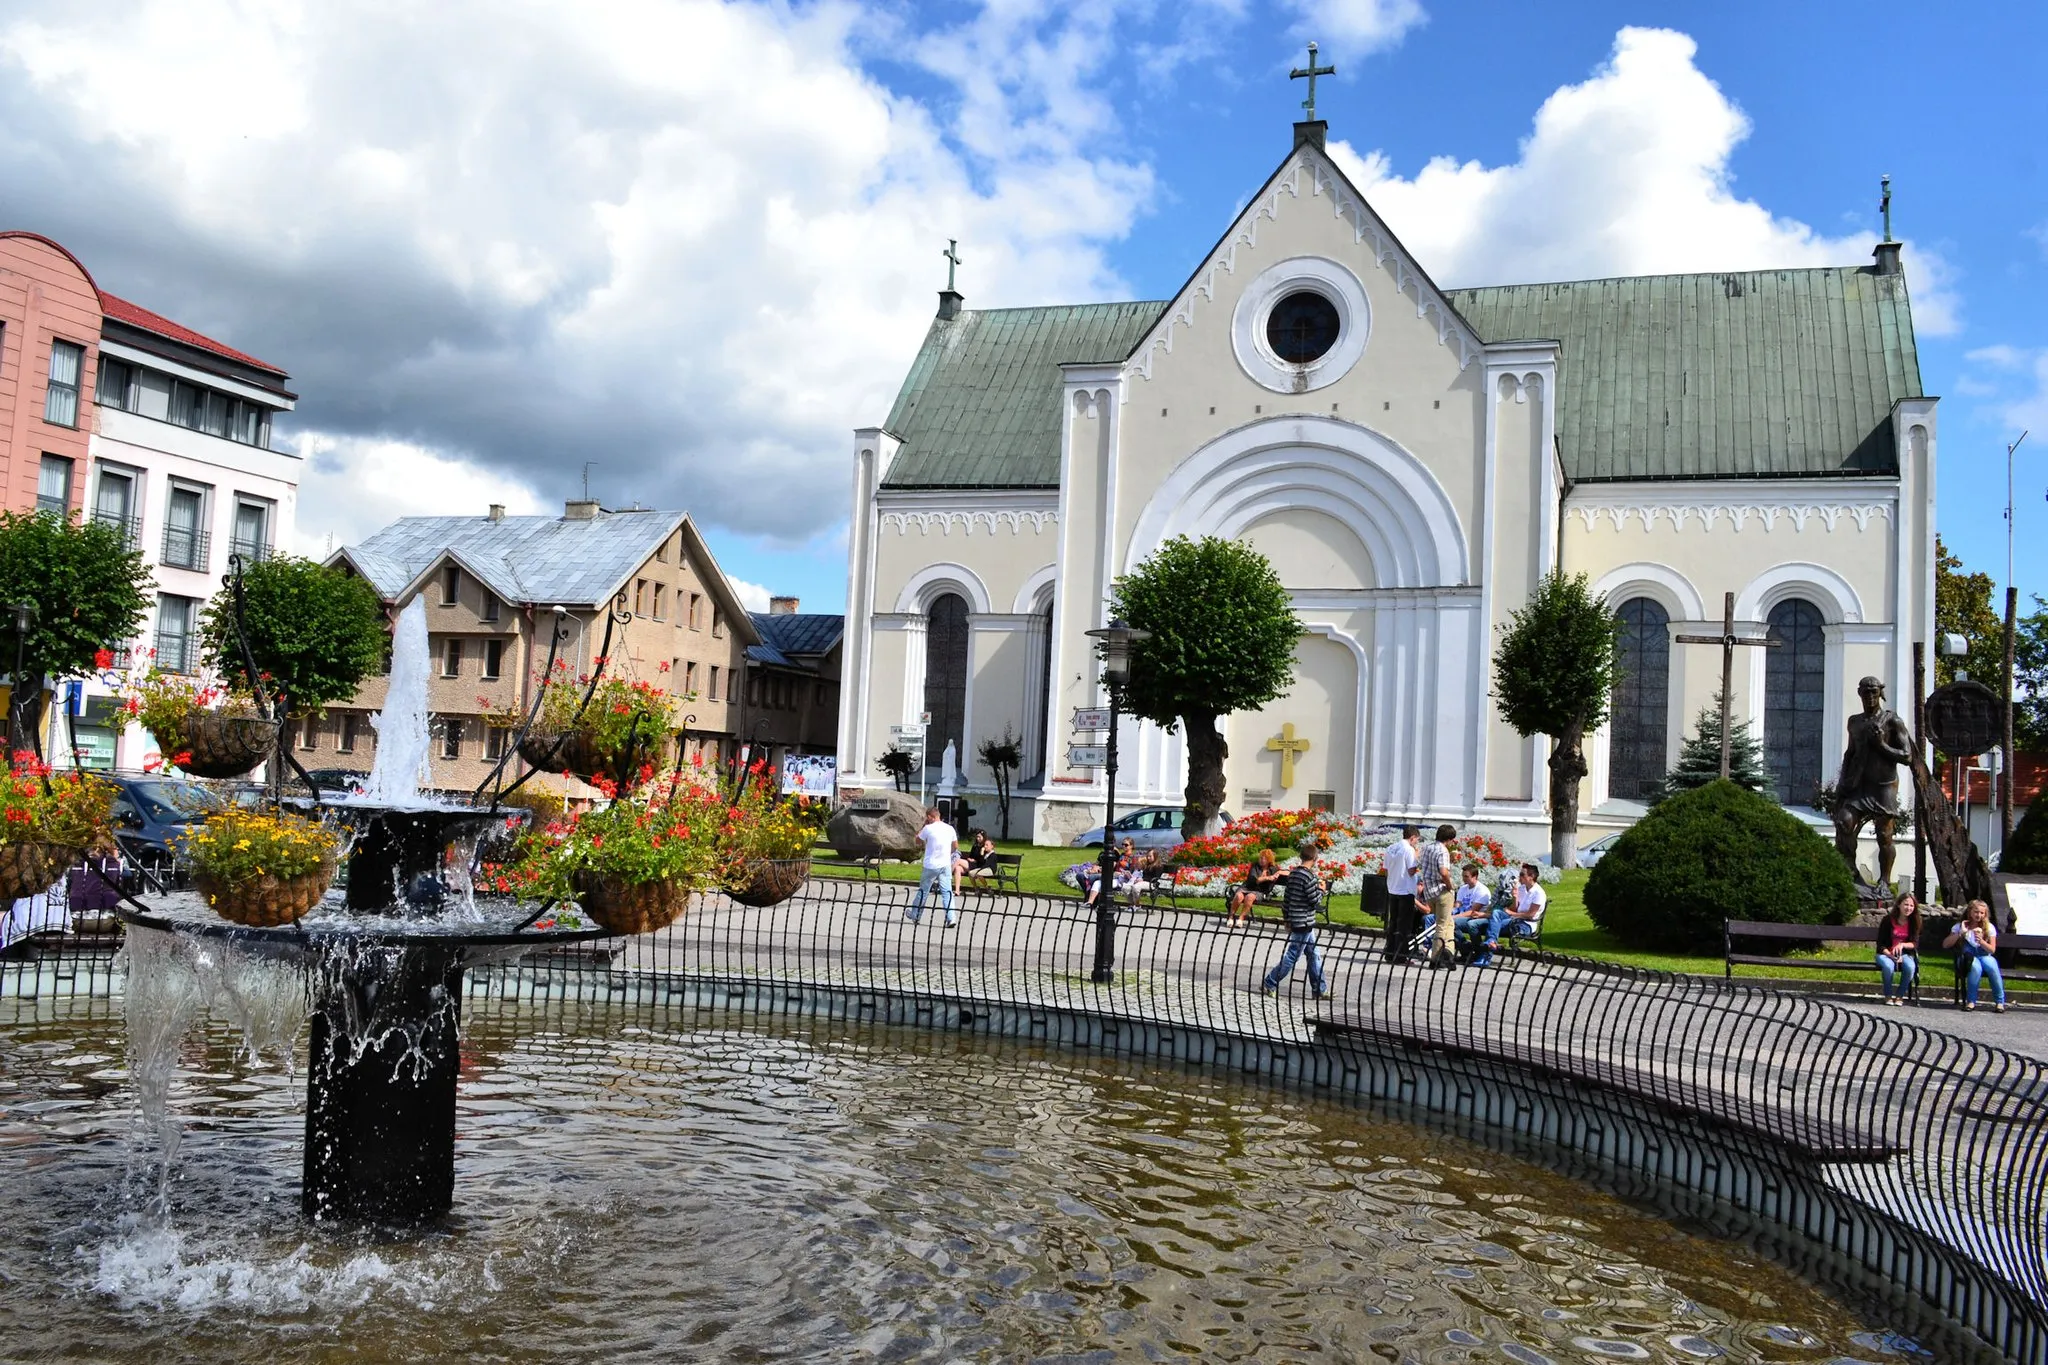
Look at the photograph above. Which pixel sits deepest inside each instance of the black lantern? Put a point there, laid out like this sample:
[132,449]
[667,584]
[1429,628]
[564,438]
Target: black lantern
[1116,642]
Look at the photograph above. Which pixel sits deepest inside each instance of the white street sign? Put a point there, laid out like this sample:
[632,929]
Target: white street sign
[1088,755]
[906,733]
[1092,718]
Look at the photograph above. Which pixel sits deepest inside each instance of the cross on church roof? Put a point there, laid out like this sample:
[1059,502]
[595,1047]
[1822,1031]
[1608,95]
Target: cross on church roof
[952,255]
[1311,72]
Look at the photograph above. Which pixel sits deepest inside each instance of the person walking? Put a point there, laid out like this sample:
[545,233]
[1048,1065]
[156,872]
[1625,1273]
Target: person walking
[1435,895]
[941,850]
[1302,901]
[1400,868]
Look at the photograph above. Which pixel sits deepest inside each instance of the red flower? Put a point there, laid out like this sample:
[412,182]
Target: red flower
[103,658]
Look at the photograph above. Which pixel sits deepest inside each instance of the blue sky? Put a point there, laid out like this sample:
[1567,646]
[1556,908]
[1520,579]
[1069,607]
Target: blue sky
[696,242]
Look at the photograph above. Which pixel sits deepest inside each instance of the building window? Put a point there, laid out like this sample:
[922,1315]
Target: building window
[661,551]
[945,675]
[690,677]
[345,742]
[116,388]
[177,644]
[496,739]
[639,597]
[201,409]
[661,601]
[494,659]
[1795,687]
[490,606]
[451,736]
[1637,744]
[114,504]
[696,611]
[60,402]
[712,695]
[252,530]
[717,624]
[53,486]
[184,528]
[309,731]
[451,657]
[451,585]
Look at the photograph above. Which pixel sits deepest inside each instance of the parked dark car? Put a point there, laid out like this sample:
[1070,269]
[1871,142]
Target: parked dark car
[151,812]
[347,780]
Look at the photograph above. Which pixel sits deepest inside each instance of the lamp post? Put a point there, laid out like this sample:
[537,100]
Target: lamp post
[1115,641]
[24,617]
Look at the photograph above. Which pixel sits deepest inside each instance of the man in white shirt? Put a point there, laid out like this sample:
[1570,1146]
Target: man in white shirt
[1522,919]
[941,847]
[1400,862]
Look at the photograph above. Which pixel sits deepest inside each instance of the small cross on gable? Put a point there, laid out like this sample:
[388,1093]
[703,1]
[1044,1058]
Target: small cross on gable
[1311,71]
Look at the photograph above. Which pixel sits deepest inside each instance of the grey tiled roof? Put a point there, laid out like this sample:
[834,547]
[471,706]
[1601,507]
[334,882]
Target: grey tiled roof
[1769,372]
[1764,372]
[807,632]
[521,559]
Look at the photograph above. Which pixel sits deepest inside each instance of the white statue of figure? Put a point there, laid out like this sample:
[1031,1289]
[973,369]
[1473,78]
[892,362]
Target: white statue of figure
[949,771]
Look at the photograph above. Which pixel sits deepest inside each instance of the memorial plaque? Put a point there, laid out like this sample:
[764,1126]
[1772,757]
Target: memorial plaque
[871,805]
[1965,718]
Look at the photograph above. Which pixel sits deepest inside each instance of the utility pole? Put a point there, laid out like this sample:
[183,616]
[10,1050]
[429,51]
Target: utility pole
[2012,599]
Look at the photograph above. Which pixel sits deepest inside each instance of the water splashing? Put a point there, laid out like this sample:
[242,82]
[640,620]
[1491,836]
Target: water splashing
[403,734]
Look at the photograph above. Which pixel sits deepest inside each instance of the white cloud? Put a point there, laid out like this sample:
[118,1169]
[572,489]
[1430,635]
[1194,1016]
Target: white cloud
[350,486]
[1625,173]
[1355,26]
[2017,407]
[752,596]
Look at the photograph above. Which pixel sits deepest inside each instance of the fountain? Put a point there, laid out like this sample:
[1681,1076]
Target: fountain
[383,960]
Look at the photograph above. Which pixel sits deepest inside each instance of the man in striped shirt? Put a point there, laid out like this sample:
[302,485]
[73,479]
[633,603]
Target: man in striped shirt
[1302,901]
[1434,895]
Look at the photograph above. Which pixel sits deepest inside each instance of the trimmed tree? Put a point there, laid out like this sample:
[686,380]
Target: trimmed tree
[89,588]
[2027,851]
[1554,675]
[314,632]
[1003,757]
[1716,853]
[898,763]
[1223,635]
[1699,759]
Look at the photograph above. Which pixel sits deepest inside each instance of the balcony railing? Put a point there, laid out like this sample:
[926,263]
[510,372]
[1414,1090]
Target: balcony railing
[252,551]
[129,527]
[186,548]
[177,653]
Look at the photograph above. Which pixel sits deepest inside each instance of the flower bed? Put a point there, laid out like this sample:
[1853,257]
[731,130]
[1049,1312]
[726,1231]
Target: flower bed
[1357,849]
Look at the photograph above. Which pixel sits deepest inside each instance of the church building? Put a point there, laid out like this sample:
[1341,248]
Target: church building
[1411,459]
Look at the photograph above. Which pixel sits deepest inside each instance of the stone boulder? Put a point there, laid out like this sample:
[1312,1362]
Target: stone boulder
[877,824]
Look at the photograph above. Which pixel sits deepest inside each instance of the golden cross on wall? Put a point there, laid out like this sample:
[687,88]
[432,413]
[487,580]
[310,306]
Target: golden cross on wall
[1287,746]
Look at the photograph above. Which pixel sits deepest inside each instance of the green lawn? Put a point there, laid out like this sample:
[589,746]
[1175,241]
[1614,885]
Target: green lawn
[1567,929]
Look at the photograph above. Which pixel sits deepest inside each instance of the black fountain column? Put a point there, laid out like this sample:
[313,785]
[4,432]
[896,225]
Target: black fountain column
[380,1106]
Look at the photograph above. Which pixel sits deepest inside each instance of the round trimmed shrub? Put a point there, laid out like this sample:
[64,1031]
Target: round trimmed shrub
[1715,853]
[2027,852]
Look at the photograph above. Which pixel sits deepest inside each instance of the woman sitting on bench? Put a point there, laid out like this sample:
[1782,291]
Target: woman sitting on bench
[1262,876]
[1898,948]
[1975,942]
[978,861]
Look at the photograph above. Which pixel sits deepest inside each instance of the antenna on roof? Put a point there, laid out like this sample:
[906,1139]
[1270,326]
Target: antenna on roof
[587,466]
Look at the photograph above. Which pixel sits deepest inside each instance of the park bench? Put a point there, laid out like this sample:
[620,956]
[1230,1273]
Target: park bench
[869,867]
[2010,947]
[1811,935]
[1006,868]
[1805,1134]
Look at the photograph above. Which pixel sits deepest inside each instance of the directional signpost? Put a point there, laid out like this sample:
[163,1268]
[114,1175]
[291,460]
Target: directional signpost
[1089,720]
[910,739]
[1087,755]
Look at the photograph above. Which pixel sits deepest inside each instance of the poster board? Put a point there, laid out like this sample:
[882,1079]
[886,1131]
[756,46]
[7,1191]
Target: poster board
[2020,903]
[815,775]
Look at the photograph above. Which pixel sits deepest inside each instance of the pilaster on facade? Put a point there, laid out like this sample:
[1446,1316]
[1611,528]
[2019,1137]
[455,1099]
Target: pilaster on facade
[873,449]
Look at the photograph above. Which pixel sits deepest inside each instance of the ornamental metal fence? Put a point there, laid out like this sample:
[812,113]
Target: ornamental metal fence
[1918,1157]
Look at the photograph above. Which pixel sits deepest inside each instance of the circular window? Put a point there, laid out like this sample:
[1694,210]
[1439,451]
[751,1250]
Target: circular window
[1303,327]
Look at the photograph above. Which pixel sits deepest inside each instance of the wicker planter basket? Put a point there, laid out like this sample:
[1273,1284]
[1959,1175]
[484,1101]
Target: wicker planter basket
[630,907]
[221,746]
[267,902]
[31,869]
[771,882]
[575,754]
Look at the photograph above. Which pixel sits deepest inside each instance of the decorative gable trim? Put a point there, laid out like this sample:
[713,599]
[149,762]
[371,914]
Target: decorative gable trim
[1313,174]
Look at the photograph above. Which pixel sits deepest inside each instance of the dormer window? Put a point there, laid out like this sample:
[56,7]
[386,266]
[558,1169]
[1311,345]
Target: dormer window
[451,585]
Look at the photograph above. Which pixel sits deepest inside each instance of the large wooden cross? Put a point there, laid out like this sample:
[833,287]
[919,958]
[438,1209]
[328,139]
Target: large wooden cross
[1311,71]
[1728,640]
[1287,746]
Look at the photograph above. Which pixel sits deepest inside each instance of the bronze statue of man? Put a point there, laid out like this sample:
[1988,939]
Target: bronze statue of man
[1868,789]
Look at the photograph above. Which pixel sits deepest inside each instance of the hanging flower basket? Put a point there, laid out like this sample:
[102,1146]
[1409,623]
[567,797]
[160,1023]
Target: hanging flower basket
[770,881]
[573,751]
[31,869]
[210,744]
[265,902]
[630,907]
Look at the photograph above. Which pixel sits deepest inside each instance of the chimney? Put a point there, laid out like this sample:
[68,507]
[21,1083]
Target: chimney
[782,606]
[497,511]
[580,509]
[949,304]
[1311,133]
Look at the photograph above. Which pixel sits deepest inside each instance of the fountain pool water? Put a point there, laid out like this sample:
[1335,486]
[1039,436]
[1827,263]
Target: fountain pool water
[660,1190]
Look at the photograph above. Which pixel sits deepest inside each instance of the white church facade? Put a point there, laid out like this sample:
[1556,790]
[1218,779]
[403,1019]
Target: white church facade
[1411,459]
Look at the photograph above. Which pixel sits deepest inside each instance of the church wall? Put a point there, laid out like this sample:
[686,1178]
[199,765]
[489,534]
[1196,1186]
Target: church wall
[1520,492]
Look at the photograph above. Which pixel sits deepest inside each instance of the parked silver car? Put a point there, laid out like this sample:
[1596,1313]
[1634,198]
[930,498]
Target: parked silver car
[1148,827]
[1595,851]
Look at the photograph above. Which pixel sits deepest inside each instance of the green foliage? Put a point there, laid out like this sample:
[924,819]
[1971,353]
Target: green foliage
[1963,606]
[2030,679]
[899,764]
[1003,757]
[1223,630]
[1556,667]
[1699,760]
[2027,851]
[89,589]
[1716,853]
[315,632]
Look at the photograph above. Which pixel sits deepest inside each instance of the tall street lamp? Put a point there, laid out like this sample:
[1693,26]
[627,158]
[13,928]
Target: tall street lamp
[24,617]
[1115,641]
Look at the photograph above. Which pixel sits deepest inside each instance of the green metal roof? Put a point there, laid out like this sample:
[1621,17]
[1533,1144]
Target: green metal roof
[981,405]
[1768,372]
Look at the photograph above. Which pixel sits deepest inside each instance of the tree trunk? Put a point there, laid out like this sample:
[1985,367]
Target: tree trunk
[31,696]
[1567,768]
[1205,791]
[1003,798]
[1957,863]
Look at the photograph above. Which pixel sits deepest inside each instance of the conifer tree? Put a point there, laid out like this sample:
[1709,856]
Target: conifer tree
[1699,760]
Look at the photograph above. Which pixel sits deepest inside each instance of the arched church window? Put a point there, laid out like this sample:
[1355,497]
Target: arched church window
[1795,686]
[1637,757]
[1303,327]
[945,677]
